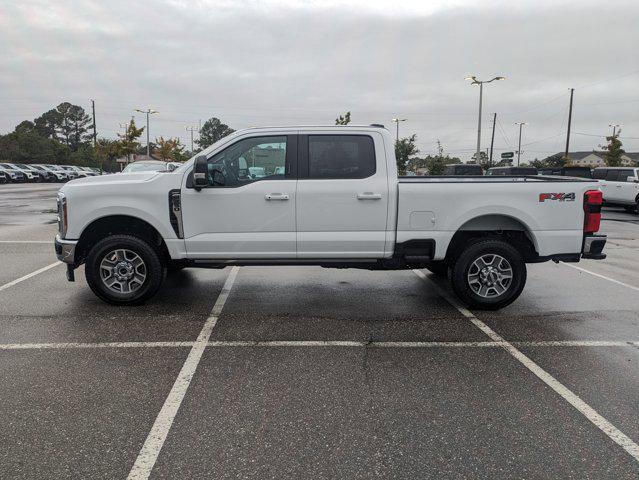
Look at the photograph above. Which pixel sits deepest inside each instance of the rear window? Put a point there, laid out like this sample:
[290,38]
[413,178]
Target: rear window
[600,173]
[612,175]
[340,156]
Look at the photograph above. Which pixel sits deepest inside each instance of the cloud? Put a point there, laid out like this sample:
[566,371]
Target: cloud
[283,62]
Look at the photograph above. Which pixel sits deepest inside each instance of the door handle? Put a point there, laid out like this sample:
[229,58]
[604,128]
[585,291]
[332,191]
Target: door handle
[369,196]
[276,196]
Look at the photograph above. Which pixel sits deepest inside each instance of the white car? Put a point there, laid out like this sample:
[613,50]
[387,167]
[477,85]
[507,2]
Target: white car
[29,176]
[620,186]
[58,175]
[340,204]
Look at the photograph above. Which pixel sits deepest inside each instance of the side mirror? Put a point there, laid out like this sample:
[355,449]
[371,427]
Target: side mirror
[200,171]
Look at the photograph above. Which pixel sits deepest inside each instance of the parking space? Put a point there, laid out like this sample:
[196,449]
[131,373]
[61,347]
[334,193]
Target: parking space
[312,373]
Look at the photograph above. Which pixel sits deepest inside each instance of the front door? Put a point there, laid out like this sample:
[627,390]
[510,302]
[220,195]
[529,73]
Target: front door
[248,209]
[342,196]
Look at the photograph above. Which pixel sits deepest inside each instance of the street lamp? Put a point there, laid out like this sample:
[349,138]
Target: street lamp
[148,112]
[614,127]
[474,81]
[521,124]
[397,120]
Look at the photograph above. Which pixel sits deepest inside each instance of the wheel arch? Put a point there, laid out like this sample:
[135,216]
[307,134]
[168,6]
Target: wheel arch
[499,226]
[119,224]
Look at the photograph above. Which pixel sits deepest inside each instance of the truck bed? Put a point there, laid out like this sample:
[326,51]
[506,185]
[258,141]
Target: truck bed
[491,179]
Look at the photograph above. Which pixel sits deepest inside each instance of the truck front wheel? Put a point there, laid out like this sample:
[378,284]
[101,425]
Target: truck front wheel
[124,270]
[488,274]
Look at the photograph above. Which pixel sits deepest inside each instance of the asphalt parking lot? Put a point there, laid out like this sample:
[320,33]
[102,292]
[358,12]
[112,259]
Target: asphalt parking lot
[282,372]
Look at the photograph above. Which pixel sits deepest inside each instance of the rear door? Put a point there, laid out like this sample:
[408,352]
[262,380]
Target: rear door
[612,192]
[342,195]
[627,189]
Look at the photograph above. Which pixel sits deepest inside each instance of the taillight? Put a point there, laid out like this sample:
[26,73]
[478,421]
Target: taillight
[592,209]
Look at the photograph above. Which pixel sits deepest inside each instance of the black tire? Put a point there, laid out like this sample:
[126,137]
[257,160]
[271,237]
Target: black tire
[493,300]
[153,270]
[438,268]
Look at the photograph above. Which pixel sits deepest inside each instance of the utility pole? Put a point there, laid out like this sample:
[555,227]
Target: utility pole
[614,128]
[492,138]
[521,124]
[572,91]
[475,81]
[397,120]
[95,134]
[148,112]
[191,129]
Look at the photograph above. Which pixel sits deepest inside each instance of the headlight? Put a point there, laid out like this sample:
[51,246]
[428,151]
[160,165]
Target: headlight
[62,214]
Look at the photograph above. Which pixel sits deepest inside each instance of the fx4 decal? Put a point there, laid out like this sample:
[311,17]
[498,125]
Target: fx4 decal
[562,197]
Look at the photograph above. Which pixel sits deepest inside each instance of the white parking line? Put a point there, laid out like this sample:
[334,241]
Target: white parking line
[602,276]
[48,242]
[318,343]
[586,410]
[72,345]
[155,440]
[28,276]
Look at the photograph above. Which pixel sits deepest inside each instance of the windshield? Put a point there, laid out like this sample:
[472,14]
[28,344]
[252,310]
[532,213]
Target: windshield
[144,167]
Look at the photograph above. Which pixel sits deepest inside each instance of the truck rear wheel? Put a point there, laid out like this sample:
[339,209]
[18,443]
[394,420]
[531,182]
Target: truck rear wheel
[488,274]
[124,270]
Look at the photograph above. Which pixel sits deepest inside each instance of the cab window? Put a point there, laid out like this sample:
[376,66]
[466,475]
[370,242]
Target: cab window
[249,160]
[340,156]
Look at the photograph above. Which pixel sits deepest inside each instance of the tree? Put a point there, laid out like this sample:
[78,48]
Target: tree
[167,149]
[613,150]
[107,152]
[404,149]
[212,131]
[343,120]
[47,124]
[73,125]
[128,141]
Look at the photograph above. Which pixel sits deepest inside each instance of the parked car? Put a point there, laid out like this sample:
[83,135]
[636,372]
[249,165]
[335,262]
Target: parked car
[620,186]
[42,176]
[339,205]
[91,171]
[146,166]
[28,175]
[71,172]
[59,175]
[511,171]
[13,175]
[579,172]
[463,169]
[58,168]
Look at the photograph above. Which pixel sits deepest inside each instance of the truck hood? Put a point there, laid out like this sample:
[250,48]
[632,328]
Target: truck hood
[115,178]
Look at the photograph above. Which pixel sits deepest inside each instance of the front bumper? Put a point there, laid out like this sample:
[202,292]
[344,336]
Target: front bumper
[65,250]
[593,247]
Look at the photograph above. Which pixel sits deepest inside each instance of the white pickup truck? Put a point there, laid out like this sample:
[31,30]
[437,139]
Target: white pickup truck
[327,196]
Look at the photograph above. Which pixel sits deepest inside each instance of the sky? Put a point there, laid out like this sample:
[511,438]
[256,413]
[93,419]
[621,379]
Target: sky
[257,63]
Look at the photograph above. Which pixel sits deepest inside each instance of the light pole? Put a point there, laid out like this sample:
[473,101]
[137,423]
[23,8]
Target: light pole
[614,128]
[474,81]
[148,112]
[397,120]
[192,129]
[521,124]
